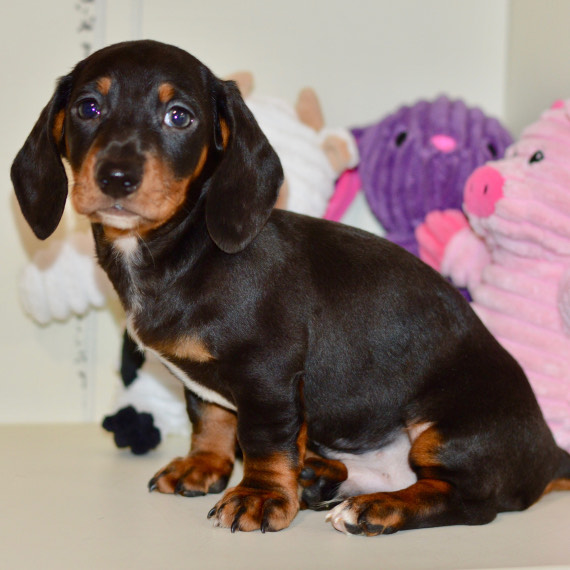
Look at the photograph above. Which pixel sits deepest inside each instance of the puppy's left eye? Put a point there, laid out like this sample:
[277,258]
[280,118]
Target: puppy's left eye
[178,117]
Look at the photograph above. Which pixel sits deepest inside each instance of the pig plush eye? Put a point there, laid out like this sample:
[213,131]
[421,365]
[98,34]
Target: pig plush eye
[536,157]
[493,150]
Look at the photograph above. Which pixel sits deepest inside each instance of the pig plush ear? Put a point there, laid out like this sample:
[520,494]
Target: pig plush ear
[38,174]
[562,105]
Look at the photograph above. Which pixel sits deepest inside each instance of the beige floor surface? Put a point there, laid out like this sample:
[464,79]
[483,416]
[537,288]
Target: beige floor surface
[70,500]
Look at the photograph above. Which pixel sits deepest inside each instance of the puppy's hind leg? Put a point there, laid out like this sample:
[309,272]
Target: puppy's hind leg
[429,502]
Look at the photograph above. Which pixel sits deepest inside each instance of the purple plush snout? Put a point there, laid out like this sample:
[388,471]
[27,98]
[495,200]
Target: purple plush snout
[443,143]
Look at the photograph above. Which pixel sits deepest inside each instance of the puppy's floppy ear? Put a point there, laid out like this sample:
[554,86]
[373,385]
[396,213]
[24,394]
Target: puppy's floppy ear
[38,174]
[245,185]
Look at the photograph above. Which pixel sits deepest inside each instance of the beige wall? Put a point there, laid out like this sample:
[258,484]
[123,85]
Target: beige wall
[364,58]
[538,70]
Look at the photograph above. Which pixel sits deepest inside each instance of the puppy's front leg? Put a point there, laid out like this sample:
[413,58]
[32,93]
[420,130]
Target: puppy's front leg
[272,437]
[208,466]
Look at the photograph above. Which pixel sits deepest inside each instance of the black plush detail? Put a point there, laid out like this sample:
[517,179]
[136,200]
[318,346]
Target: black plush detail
[132,358]
[133,429]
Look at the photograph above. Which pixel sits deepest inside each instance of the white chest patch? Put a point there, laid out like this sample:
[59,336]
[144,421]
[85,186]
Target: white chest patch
[128,246]
[128,249]
[382,470]
[201,391]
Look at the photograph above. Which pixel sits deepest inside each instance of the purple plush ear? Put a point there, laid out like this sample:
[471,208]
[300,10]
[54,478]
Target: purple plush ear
[358,133]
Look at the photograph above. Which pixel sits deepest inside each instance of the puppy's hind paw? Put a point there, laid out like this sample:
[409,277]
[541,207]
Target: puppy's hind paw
[343,519]
[354,517]
[320,480]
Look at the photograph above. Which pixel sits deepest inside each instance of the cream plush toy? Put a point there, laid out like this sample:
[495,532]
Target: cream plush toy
[512,252]
[313,155]
[64,280]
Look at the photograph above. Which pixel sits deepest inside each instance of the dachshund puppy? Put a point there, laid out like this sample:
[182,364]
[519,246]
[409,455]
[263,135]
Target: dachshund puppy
[331,357]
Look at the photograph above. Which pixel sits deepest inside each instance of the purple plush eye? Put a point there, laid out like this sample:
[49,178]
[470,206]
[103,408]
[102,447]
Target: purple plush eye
[401,138]
[178,117]
[88,109]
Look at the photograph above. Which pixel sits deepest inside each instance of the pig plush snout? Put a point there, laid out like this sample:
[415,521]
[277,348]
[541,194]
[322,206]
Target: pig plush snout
[483,189]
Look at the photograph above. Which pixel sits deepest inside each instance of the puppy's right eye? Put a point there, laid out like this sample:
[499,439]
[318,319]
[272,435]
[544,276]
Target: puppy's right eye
[88,109]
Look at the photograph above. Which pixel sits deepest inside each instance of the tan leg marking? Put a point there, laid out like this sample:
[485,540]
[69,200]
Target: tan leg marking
[208,466]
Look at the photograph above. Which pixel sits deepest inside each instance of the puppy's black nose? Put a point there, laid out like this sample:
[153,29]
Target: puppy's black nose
[118,180]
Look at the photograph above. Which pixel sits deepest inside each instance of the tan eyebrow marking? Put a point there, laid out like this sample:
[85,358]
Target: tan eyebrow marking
[104,85]
[165,92]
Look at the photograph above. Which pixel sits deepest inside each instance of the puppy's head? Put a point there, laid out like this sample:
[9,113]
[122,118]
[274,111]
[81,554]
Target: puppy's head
[148,132]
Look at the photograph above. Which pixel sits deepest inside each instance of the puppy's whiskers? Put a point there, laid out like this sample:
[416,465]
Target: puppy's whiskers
[143,243]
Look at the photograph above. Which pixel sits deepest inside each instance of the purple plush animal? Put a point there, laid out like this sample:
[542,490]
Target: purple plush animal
[417,160]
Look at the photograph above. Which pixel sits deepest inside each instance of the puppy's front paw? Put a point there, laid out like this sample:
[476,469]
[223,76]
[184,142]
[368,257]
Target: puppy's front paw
[363,515]
[193,475]
[245,508]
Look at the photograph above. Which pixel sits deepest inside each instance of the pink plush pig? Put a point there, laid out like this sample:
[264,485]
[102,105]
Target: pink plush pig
[512,252]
